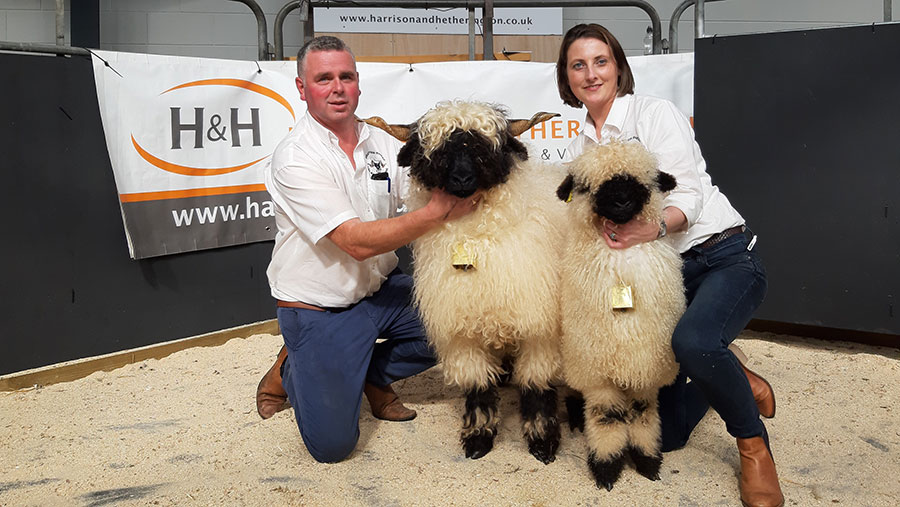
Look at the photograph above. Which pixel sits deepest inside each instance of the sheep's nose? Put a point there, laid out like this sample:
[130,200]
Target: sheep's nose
[462,184]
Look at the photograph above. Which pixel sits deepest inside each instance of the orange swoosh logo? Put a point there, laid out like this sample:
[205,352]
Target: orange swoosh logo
[239,83]
[190,192]
[186,170]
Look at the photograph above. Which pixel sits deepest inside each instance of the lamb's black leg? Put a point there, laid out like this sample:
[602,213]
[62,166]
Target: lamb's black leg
[644,436]
[575,408]
[480,421]
[506,376]
[541,424]
[606,472]
[646,465]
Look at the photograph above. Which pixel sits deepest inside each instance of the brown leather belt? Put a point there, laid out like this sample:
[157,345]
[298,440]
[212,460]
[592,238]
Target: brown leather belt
[306,306]
[722,236]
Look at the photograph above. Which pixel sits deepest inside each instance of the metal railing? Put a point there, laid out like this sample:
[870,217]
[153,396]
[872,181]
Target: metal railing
[699,21]
[307,28]
[487,6]
[262,34]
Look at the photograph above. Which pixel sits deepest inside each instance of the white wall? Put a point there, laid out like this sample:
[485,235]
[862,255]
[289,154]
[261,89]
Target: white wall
[227,29]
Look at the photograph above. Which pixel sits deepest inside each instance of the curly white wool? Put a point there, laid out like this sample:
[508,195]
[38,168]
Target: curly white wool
[439,122]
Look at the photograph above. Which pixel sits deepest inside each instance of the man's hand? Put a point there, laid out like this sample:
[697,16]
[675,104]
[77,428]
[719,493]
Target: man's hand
[362,240]
[450,207]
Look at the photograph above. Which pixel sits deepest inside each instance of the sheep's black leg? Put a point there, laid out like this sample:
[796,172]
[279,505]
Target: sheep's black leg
[480,421]
[575,408]
[541,424]
[646,465]
[606,472]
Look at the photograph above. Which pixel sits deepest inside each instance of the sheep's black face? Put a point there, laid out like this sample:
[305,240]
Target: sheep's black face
[621,198]
[465,163]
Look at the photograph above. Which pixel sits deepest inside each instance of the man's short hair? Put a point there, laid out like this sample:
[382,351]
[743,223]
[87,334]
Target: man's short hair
[323,43]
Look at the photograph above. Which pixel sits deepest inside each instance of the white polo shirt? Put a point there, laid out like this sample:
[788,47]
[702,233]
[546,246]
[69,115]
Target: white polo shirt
[662,128]
[315,188]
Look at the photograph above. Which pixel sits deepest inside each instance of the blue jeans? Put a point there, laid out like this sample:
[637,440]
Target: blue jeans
[724,285]
[331,354]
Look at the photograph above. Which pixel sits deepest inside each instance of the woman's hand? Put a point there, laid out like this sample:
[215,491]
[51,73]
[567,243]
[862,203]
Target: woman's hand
[630,233]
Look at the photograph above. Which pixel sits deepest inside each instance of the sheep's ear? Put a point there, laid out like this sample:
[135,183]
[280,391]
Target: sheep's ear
[515,147]
[665,181]
[519,126]
[408,152]
[565,188]
[400,132]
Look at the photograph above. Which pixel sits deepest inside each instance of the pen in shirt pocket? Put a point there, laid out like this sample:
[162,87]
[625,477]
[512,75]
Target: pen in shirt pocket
[383,176]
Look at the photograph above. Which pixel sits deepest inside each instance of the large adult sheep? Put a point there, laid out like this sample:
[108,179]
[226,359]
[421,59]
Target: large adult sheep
[487,285]
[619,308]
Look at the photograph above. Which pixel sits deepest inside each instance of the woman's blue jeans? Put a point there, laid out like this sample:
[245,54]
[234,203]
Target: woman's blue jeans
[724,285]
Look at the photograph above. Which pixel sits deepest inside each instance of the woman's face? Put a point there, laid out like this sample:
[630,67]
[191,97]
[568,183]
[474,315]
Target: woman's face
[592,72]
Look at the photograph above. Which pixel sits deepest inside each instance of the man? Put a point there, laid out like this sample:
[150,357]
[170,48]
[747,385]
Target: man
[337,190]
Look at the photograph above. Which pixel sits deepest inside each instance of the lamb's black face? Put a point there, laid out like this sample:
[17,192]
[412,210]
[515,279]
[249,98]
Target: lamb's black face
[621,198]
[467,162]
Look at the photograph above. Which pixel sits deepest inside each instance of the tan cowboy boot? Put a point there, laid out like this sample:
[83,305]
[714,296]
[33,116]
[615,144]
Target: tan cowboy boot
[386,405]
[763,394]
[759,481]
[270,395]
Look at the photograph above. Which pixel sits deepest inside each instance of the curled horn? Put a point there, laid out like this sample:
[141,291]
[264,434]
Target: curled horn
[516,127]
[401,132]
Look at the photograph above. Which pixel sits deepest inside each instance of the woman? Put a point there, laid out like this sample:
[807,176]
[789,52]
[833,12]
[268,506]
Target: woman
[724,279]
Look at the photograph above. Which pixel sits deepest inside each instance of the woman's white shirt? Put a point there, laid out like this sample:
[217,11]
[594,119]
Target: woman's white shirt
[664,130]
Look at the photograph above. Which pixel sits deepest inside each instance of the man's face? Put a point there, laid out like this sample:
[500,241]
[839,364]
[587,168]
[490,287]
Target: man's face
[330,87]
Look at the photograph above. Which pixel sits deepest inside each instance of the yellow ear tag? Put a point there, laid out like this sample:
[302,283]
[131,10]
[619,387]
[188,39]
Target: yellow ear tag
[569,199]
[620,297]
[462,258]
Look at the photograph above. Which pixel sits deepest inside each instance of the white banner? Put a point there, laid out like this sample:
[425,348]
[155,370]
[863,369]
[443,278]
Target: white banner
[188,138]
[507,21]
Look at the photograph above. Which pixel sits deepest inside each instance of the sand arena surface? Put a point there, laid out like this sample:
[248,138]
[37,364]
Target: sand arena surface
[184,431]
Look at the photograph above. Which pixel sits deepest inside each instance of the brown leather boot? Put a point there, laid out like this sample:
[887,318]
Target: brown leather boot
[386,405]
[271,397]
[759,481]
[763,393]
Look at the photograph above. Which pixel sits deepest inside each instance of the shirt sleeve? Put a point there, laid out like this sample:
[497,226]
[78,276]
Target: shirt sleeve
[399,175]
[668,135]
[310,197]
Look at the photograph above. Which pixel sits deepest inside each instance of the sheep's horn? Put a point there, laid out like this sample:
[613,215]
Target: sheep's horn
[401,132]
[519,126]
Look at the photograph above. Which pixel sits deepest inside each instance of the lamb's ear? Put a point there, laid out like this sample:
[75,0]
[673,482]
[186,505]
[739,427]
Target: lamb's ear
[519,126]
[565,188]
[400,132]
[665,181]
[408,152]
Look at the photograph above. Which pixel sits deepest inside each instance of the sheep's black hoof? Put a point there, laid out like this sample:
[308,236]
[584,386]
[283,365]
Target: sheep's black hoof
[606,472]
[544,449]
[478,445]
[646,465]
[575,408]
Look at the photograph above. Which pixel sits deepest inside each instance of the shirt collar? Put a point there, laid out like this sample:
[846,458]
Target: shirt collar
[614,120]
[326,136]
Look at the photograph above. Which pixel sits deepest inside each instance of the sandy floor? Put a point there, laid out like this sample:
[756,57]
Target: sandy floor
[184,431]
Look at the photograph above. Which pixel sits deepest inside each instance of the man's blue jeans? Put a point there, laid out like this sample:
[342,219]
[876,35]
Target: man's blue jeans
[724,285]
[332,354]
